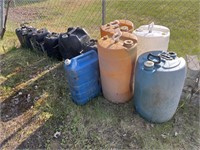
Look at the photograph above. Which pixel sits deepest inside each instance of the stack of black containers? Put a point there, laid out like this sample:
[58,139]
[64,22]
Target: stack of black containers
[59,46]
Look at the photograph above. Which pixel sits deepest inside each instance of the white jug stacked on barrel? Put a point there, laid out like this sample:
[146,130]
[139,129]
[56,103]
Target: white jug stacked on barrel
[152,37]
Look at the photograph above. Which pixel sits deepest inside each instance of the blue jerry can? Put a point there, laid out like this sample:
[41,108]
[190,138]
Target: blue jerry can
[82,73]
[159,82]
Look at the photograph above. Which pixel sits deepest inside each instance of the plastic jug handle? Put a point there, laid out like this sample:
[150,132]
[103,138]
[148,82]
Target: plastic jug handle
[117,35]
[70,32]
[154,58]
[85,56]
[150,27]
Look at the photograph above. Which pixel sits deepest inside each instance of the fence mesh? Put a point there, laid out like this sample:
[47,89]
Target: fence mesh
[181,16]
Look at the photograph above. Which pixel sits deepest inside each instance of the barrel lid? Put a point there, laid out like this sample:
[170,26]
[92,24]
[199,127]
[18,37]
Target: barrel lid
[152,31]
[171,64]
[165,60]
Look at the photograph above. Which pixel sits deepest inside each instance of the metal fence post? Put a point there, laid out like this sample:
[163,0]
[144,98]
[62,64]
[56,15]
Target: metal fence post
[103,11]
[1,14]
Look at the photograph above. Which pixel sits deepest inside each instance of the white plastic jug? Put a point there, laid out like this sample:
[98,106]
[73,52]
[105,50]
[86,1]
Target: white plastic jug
[152,37]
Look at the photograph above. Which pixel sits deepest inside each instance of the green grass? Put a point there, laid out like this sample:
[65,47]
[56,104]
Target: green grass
[99,124]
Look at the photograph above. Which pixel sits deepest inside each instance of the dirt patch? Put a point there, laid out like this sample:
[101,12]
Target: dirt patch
[22,14]
[30,13]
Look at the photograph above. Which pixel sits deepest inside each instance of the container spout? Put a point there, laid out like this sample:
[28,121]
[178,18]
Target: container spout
[148,65]
[67,62]
[128,43]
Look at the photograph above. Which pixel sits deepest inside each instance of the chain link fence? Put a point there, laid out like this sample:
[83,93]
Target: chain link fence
[180,16]
[57,15]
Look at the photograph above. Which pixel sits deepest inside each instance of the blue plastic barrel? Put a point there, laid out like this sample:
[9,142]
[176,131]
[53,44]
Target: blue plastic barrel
[82,73]
[159,82]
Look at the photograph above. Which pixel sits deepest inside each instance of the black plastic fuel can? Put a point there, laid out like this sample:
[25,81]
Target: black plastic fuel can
[72,42]
[37,39]
[51,46]
[24,34]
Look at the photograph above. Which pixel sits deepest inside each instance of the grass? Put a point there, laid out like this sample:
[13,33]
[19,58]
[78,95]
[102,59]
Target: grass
[31,123]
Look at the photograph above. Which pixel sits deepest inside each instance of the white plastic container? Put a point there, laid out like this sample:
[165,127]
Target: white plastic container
[152,38]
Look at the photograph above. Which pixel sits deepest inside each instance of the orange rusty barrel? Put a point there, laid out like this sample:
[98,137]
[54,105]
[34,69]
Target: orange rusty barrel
[117,55]
[112,27]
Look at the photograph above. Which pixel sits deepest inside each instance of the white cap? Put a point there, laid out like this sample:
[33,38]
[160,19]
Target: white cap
[67,62]
[148,65]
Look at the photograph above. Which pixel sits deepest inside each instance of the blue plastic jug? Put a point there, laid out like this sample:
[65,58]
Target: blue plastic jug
[159,82]
[82,73]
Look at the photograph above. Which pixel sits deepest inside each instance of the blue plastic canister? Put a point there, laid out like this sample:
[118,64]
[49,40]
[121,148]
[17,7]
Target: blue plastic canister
[159,82]
[82,73]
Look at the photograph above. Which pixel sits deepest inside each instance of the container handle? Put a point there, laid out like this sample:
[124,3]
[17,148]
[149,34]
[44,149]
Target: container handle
[85,56]
[71,31]
[154,58]
[117,35]
[150,27]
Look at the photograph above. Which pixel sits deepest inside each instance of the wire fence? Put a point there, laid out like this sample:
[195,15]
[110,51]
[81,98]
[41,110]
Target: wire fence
[180,16]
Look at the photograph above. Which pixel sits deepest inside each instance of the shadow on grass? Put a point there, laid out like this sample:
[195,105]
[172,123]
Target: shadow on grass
[15,105]
[18,130]
[20,106]
[40,138]
[20,98]
[98,124]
